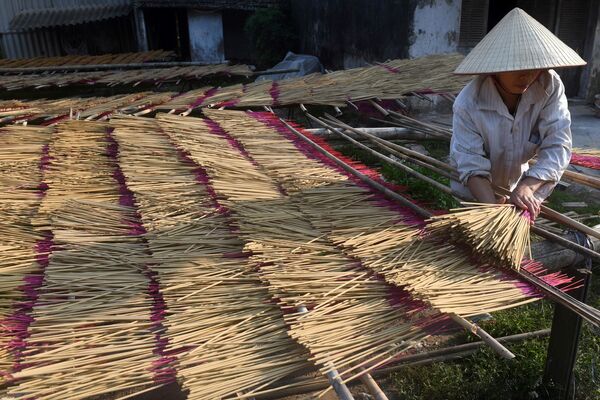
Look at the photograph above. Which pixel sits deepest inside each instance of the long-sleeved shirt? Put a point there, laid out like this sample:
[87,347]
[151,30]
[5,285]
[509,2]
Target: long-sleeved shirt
[488,141]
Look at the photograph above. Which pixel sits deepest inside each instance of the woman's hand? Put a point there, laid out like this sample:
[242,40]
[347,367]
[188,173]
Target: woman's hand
[501,199]
[524,196]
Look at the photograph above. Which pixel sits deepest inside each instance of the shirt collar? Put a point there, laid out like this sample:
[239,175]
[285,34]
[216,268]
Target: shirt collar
[488,97]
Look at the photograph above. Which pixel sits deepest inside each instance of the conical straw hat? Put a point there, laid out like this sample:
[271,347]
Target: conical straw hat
[518,42]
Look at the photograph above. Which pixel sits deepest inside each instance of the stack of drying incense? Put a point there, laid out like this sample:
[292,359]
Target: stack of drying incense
[121,58]
[353,319]
[22,157]
[220,252]
[128,77]
[227,333]
[89,108]
[390,80]
[372,233]
[85,326]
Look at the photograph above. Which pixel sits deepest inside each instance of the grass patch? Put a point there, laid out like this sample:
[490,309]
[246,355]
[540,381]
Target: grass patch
[416,188]
[482,375]
[558,197]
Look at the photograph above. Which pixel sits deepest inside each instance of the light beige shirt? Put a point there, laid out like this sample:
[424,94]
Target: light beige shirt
[488,141]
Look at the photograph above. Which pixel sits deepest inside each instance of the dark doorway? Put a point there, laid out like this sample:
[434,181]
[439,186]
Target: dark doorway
[167,29]
[497,10]
[238,48]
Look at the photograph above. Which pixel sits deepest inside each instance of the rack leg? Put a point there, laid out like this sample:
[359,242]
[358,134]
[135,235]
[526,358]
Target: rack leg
[564,341]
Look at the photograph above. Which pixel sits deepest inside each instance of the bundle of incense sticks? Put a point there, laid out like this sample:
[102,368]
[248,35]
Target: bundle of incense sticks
[23,159]
[120,58]
[586,157]
[90,108]
[391,80]
[497,232]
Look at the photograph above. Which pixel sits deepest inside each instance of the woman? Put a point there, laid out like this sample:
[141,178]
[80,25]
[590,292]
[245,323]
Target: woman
[514,110]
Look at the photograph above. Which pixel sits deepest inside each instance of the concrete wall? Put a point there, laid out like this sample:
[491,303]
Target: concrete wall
[436,27]
[351,33]
[590,76]
[206,36]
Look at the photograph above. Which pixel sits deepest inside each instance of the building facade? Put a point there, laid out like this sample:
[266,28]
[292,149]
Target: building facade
[342,33]
[350,33]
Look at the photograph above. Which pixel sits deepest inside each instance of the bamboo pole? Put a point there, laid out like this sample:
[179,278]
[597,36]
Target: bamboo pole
[446,133]
[439,166]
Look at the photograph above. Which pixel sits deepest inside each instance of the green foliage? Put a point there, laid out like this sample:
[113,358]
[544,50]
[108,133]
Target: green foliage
[271,35]
[587,369]
[416,188]
[528,318]
[558,197]
[482,375]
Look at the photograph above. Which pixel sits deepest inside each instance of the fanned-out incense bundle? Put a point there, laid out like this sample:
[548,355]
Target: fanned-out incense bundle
[90,108]
[118,58]
[213,297]
[87,327]
[390,80]
[497,232]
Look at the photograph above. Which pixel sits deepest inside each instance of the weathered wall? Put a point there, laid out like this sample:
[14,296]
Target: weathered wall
[350,33]
[590,77]
[436,26]
[206,36]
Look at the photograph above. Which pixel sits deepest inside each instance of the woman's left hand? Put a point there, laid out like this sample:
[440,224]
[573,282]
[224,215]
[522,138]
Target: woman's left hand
[524,197]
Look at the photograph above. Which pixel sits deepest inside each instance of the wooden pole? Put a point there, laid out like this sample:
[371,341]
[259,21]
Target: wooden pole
[453,174]
[373,387]
[483,335]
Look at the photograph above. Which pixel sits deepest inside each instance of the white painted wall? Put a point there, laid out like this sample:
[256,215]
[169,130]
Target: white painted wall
[206,36]
[436,27]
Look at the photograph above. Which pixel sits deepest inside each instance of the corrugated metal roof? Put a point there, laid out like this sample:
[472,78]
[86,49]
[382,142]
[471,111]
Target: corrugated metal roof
[39,42]
[47,17]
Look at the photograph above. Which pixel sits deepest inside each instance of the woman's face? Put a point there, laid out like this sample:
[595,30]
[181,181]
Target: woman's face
[517,82]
